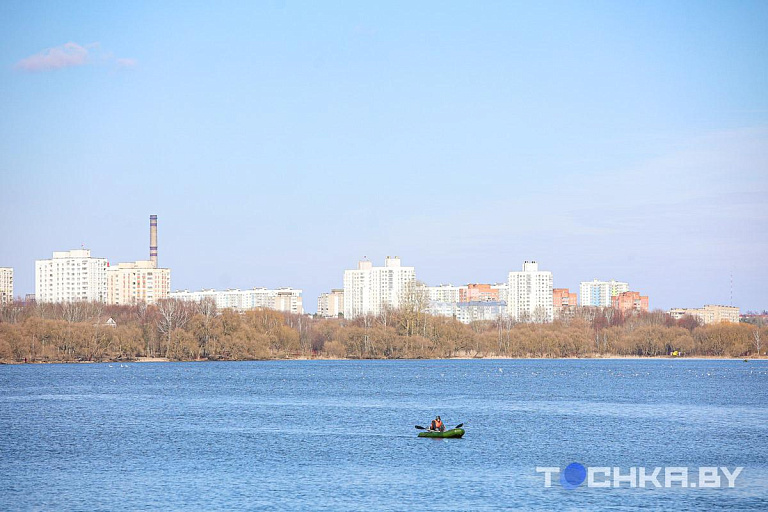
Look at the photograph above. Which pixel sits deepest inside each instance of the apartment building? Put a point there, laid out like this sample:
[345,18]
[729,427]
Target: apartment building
[630,301]
[286,299]
[6,285]
[371,290]
[599,293]
[330,305]
[445,293]
[71,276]
[709,314]
[140,281]
[529,296]
[479,293]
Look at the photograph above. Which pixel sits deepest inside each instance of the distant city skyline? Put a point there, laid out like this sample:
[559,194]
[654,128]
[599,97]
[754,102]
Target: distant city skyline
[279,143]
[386,290]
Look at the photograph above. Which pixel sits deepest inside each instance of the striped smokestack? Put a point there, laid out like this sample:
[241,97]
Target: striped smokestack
[153,239]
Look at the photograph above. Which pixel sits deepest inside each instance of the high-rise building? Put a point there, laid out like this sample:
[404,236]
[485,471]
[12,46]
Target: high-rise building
[281,299]
[630,301]
[599,293]
[329,305]
[6,285]
[71,276]
[709,314]
[529,297]
[371,290]
[140,281]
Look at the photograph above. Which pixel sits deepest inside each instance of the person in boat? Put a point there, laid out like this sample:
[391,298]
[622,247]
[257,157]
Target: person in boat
[437,425]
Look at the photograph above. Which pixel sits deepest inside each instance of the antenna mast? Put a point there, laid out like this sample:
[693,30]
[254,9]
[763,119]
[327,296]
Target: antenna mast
[731,288]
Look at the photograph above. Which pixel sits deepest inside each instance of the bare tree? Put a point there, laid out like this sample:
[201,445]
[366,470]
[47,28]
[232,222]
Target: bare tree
[13,312]
[505,323]
[207,309]
[174,314]
[756,339]
[143,316]
[72,312]
[44,310]
[386,314]
[305,340]
[414,301]
[367,348]
[81,311]
[759,322]
[540,314]
[609,313]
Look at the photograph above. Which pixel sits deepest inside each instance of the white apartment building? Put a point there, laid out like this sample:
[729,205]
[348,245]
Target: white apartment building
[140,281]
[709,314]
[281,299]
[329,305]
[529,294]
[370,290]
[71,276]
[599,293]
[6,285]
[444,293]
[468,312]
[288,300]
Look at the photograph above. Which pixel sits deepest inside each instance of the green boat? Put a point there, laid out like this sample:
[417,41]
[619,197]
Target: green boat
[454,433]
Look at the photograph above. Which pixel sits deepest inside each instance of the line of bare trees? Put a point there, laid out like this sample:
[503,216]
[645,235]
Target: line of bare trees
[181,330]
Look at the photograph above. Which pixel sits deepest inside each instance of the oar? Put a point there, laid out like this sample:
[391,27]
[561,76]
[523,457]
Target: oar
[424,428]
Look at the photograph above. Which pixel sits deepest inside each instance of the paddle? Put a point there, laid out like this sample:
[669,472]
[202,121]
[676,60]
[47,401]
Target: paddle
[424,428]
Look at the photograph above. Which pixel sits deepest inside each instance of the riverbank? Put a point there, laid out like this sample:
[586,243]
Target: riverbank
[326,358]
[46,335]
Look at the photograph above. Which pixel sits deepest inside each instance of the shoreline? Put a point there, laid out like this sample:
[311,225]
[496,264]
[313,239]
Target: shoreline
[144,360]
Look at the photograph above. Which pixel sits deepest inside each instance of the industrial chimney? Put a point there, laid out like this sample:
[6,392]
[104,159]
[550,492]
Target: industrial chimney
[153,240]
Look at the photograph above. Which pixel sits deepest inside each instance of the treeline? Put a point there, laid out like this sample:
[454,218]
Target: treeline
[180,330]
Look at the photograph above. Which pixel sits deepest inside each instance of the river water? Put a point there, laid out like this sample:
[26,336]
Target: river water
[339,435]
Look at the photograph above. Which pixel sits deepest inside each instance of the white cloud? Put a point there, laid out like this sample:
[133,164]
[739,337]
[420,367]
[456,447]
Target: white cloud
[64,56]
[70,55]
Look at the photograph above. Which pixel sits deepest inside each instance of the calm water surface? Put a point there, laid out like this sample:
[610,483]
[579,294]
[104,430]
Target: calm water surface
[339,435]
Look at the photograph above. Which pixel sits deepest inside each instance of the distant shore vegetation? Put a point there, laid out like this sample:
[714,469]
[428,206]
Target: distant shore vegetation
[186,331]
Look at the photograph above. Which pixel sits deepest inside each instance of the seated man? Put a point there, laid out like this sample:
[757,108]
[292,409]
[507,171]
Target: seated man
[437,425]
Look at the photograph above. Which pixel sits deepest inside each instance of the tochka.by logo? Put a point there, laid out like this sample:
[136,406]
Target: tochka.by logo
[575,474]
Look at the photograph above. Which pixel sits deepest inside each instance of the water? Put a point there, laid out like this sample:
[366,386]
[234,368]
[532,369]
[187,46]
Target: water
[339,435]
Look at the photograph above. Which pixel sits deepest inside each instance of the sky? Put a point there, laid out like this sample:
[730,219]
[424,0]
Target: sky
[280,142]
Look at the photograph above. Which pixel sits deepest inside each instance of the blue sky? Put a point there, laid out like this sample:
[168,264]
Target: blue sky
[280,142]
